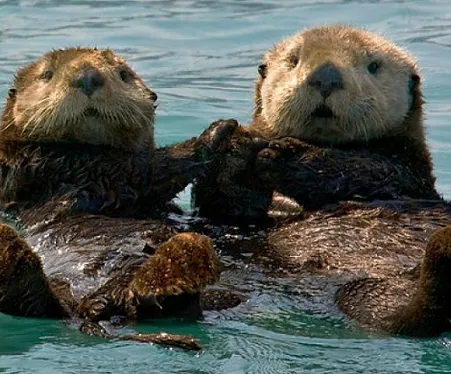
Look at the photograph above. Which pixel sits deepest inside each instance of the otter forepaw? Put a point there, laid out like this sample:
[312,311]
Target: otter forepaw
[216,138]
[112,299]
[275,155]
[288,146]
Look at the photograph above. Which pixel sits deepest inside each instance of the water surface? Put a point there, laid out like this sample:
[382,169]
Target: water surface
[201,58]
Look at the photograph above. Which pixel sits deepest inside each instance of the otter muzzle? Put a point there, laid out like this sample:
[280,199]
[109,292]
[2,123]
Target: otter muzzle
[88,80]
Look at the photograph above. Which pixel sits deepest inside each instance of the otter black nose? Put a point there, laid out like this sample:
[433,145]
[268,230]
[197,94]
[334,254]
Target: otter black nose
[153,96]
[327,78]
[88,80]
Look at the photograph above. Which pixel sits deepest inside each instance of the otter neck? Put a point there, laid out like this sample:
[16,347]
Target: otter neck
[32,173]
[406,143]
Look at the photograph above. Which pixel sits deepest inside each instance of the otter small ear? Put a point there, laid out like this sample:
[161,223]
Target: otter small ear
[262,70]
[414,82]
[12,93]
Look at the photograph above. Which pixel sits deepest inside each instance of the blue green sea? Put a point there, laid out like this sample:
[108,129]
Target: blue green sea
[201,57]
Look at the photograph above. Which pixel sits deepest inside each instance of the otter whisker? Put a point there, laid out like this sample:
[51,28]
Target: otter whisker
[6,125]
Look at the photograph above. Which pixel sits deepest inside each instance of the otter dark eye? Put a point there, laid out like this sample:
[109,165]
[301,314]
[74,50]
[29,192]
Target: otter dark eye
[373,67]
[47,75]
[262,70]
[294,60]
[12,93]
[125,75]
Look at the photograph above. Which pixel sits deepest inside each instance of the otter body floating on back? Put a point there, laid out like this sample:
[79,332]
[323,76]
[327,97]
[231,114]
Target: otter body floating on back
[342,111]
[76,148]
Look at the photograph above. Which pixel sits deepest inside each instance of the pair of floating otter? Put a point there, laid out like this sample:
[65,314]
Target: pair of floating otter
[79,167]
[342,112]
[347,108]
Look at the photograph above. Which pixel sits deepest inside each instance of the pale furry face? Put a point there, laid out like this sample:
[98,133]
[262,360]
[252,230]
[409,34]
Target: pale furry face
[83,95]
[370,81]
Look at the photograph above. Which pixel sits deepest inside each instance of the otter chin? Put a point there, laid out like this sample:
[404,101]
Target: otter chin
[83,95]
[334,85]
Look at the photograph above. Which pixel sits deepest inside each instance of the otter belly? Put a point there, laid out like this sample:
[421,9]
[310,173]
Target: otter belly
[89,250]
[357,240]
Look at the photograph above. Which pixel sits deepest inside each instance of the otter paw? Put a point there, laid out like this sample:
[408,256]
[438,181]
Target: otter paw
[112,299]
[186,263]
[216,138]
[276,154]
[288,146]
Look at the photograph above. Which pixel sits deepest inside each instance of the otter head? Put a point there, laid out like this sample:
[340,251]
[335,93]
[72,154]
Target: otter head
[83,95]
[338,85]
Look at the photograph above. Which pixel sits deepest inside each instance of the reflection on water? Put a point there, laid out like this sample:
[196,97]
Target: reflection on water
[201,58]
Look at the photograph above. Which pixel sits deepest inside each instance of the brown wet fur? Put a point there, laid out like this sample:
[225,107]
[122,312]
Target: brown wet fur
[364,186]
[79,168]
[170,271]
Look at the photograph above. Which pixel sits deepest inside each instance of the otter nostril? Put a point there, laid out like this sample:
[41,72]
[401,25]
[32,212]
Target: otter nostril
[153,96]
[327,78]
[88,80]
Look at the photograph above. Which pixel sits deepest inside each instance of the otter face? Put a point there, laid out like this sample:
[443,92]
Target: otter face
[80,95]
[335,85]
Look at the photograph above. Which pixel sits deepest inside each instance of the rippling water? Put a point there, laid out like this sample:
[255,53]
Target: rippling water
[201,57]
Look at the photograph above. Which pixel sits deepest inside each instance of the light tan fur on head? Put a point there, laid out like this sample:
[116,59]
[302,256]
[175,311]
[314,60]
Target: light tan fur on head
[379,96]
[45,105]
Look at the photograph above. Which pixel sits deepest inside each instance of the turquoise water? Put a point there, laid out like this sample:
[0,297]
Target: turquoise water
[200,56]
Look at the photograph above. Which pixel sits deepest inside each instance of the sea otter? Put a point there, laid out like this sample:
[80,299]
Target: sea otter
[79,168]
[342,112]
